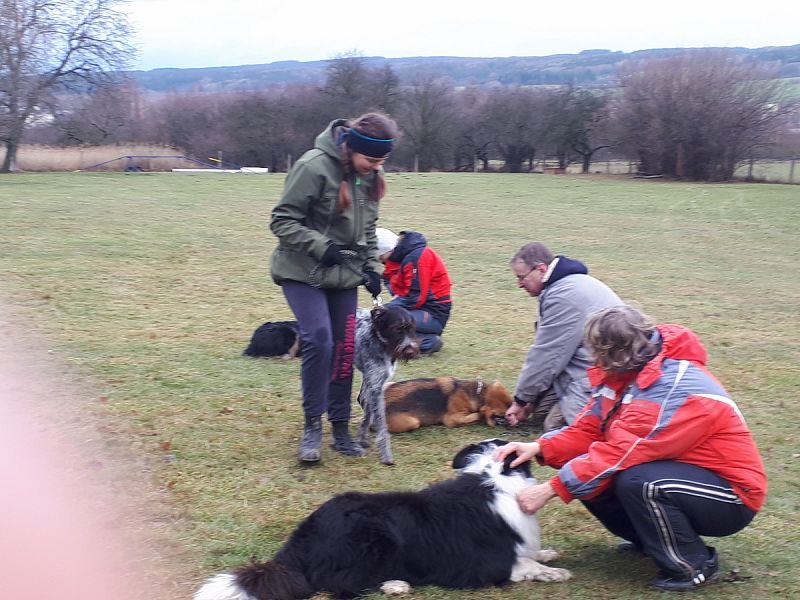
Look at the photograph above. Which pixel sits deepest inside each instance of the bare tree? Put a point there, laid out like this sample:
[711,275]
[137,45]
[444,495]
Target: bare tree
[517,117]
[193,121]
[347,82]
[701,114]
[112,113]
[474,135]
[427,120]
[354,88]
[48,43]
[577,125]
[384,89]
[259,130]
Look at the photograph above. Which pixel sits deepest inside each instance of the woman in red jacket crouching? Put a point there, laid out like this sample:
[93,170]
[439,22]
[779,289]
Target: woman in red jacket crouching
[661,454]
[418,280]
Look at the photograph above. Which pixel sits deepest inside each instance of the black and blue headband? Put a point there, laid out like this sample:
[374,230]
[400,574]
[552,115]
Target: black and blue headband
[368,146]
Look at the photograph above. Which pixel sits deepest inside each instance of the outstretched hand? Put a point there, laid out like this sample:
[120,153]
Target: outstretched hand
[534,497]
[525,452]
[517,413]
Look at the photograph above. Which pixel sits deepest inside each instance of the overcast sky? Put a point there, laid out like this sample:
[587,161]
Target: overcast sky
[204,33]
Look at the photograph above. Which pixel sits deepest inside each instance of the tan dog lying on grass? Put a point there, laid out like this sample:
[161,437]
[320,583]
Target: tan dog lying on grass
[444,401]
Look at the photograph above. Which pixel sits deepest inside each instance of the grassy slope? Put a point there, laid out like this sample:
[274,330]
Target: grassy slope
[154,282]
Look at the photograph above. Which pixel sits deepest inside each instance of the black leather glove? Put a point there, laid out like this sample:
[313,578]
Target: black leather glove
[372,281]
[334,255]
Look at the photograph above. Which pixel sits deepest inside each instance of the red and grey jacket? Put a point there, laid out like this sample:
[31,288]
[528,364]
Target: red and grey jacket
[673,409]
[418,277]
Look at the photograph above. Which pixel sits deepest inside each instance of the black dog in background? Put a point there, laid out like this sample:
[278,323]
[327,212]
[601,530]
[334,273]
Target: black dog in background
[278,338]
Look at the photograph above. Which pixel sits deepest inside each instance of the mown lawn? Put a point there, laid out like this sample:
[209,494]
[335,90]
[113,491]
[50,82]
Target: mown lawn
[152,284]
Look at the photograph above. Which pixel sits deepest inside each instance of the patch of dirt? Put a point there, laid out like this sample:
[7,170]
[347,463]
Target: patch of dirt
[80,510]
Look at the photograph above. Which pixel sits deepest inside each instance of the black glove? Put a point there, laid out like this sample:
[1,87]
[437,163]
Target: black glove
[372,281]
[334,255]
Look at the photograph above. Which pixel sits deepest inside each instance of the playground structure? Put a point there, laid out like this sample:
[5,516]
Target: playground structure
[135,164]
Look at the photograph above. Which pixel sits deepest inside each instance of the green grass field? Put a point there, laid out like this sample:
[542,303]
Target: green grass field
[153,283]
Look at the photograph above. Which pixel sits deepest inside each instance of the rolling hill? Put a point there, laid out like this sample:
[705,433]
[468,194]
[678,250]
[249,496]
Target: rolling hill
[588,68]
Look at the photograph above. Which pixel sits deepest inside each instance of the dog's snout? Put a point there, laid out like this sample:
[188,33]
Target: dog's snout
[409,350]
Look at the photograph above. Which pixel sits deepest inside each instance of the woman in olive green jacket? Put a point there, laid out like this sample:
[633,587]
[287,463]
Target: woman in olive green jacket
[327,247]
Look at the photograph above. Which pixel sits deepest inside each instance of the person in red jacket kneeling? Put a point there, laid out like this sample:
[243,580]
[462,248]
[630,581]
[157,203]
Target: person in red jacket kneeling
[417,278]
[661,454]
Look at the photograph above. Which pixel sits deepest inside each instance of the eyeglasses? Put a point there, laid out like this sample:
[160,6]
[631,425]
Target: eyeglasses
[521,278]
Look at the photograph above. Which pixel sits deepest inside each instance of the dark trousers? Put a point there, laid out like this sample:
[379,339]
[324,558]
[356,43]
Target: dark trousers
[429,328]
[665,506]
[327,323]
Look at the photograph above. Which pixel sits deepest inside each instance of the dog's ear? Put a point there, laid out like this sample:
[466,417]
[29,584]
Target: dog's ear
[460,459]
[487,412]
[524,467]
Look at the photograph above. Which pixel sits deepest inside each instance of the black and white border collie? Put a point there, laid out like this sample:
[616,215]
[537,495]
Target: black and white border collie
[467,532]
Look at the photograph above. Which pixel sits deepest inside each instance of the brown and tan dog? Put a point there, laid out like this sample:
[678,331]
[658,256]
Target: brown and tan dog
[443,401]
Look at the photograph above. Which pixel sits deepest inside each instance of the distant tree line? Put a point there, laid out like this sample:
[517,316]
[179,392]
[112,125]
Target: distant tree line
[698,115]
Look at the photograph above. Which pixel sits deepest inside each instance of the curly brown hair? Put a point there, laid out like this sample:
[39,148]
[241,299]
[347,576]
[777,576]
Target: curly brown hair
[620,338]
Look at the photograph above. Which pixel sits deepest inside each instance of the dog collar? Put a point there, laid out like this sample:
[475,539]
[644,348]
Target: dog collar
[378,335]
[479,387]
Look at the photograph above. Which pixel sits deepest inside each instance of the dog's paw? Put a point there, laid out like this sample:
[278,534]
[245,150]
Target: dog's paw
[553,574]
[396,587]
[527,569]
[546,555]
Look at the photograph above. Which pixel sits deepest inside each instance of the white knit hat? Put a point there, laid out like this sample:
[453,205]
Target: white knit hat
[386,240]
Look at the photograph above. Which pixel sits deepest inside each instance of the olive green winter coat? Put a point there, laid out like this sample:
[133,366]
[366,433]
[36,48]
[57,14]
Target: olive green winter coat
[306,219]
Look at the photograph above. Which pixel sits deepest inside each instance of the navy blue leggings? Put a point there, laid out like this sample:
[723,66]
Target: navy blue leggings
[327,323]
[665,506]
[429,328]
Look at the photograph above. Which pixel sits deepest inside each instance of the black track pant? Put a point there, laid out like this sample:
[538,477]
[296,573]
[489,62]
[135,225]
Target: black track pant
[327,322]
[665,506]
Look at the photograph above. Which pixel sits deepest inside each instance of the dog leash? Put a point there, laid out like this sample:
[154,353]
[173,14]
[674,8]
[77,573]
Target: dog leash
[313,278]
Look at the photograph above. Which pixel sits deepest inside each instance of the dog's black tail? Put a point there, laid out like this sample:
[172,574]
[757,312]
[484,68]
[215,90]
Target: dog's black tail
[259,581]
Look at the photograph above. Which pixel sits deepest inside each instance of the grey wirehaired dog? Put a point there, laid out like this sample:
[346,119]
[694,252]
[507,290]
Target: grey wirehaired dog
[383,335]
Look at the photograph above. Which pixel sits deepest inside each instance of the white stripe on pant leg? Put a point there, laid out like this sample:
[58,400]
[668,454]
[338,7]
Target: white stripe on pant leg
[699,493]
[664,528]
[702,490]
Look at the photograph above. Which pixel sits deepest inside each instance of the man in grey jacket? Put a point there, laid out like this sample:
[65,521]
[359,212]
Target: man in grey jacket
[555,367]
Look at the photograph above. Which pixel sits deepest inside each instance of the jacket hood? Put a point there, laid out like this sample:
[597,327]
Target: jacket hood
[412,240]
[677,343]
[566,266]
[326,141]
